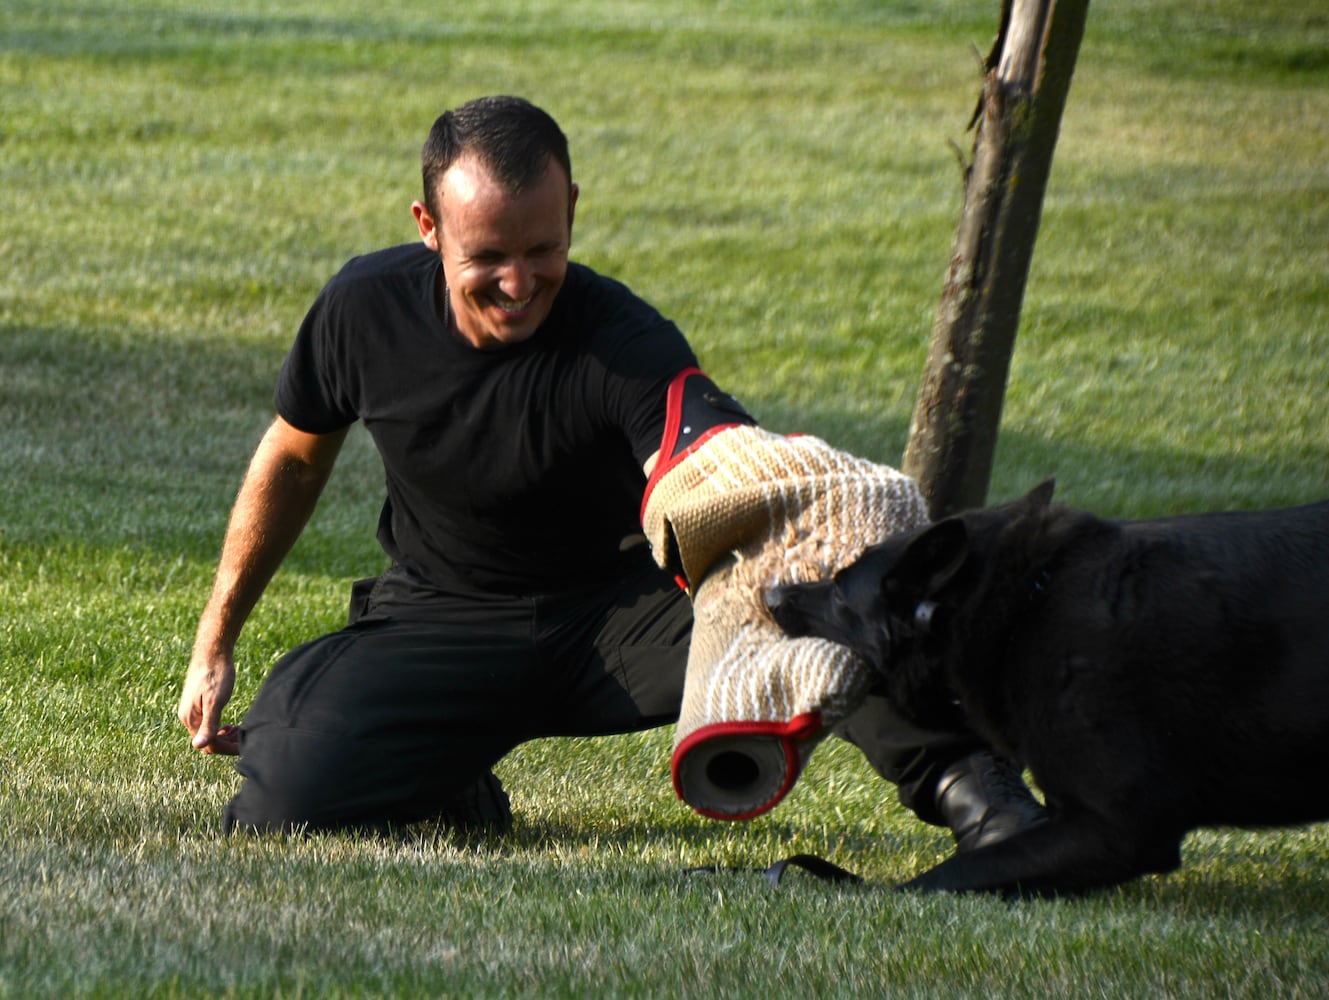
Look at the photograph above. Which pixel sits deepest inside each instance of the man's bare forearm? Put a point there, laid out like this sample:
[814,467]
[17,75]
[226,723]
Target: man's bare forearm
[280,491]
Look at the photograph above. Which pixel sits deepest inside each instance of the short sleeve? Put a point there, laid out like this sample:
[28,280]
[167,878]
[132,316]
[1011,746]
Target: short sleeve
[648,353]
[312,392]
[637,351]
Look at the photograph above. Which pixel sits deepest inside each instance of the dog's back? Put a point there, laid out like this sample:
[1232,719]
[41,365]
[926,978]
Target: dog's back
[1198,647]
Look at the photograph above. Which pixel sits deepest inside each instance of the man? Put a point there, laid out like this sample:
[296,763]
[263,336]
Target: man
[516,400]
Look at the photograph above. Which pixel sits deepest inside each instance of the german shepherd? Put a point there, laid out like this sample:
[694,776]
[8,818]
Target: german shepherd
[1154,676]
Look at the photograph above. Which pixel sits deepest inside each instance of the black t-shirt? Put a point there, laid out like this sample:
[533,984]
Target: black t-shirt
[516,470]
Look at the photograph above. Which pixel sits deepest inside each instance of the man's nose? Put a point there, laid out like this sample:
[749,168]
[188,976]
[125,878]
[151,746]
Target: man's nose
[516,280]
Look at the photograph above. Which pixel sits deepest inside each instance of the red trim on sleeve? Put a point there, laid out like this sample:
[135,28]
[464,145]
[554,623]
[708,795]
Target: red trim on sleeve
[666,459]
[790,734]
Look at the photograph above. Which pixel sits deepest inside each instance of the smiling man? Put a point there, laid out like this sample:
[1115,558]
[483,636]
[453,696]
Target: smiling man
[516,399]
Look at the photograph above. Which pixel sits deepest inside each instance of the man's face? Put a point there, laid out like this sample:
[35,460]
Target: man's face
[504,256]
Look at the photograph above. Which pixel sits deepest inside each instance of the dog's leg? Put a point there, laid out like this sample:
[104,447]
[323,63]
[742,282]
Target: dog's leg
[1064,856]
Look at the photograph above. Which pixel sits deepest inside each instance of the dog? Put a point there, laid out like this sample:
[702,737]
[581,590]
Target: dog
[1153,676]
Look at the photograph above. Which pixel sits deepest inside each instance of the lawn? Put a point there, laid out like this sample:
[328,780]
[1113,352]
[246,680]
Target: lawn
[778,177]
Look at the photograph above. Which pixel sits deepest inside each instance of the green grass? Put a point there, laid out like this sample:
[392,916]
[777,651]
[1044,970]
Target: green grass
[177,181]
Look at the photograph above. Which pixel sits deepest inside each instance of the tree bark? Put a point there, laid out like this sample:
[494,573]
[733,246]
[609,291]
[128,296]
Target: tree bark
[953,436]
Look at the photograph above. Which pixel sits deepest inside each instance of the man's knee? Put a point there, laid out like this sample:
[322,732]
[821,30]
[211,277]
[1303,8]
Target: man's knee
[479,806]
[301,780]
[296,780]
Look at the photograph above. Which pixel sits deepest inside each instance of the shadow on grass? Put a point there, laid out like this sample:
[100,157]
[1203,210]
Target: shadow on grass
[1116,480]
[135,436]
[1271,895]
[678,854]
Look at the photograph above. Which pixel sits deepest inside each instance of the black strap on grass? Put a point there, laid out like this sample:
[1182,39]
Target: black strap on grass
[810,863]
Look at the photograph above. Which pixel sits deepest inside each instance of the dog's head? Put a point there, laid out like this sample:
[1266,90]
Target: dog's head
[908,605]
[897,591]
[881,599]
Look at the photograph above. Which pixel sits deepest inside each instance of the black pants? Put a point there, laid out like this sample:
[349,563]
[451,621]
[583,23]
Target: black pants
[383,721]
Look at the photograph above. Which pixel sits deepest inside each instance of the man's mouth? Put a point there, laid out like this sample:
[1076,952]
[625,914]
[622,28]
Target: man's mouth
[511,306]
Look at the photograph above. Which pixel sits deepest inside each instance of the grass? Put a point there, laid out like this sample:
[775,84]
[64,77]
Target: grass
[177,181]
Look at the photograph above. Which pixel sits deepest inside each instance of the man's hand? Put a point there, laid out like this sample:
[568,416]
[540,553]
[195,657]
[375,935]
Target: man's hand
[208,687]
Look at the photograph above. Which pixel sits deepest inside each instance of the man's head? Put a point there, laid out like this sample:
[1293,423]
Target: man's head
[498,208]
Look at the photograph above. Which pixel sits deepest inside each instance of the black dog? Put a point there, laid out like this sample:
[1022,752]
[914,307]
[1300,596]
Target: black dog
[1154,676]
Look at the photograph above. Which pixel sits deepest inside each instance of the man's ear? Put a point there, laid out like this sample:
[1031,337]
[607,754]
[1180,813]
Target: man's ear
[427,224]
[931,559]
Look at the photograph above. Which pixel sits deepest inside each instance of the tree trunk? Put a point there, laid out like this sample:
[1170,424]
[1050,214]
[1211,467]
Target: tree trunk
[1028,74]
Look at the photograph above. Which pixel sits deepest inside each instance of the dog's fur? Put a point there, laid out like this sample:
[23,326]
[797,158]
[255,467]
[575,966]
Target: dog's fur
[1154,676]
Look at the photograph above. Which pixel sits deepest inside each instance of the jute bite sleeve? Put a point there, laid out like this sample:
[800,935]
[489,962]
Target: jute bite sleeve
[735,512]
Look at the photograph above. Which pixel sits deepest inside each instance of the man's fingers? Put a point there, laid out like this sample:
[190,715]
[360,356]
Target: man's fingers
[208,729]
[188,714]
[225,741]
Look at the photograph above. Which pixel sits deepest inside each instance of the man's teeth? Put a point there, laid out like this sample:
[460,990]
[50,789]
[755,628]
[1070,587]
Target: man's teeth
[512,305]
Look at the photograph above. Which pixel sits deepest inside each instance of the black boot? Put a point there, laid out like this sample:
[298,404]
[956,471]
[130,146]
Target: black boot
[984,800]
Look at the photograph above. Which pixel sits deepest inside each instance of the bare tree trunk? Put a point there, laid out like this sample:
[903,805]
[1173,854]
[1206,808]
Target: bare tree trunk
[954,432]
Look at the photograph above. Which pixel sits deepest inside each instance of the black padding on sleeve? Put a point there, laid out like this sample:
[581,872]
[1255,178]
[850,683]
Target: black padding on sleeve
[703,406]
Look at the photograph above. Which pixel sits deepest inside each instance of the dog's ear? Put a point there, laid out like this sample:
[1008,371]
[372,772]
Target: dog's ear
[932,558]
[1041,495]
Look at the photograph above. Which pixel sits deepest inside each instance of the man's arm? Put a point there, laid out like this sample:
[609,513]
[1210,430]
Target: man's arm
[285,479]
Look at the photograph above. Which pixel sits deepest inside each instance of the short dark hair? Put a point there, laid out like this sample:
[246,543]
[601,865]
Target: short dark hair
[513,138]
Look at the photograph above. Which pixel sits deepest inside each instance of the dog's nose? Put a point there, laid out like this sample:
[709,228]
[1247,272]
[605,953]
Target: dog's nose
[779,604]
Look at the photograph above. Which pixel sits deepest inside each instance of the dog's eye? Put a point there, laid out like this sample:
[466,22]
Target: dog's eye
[924,616]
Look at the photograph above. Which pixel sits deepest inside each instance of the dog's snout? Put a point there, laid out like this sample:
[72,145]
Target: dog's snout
[783,601]
[777,603]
